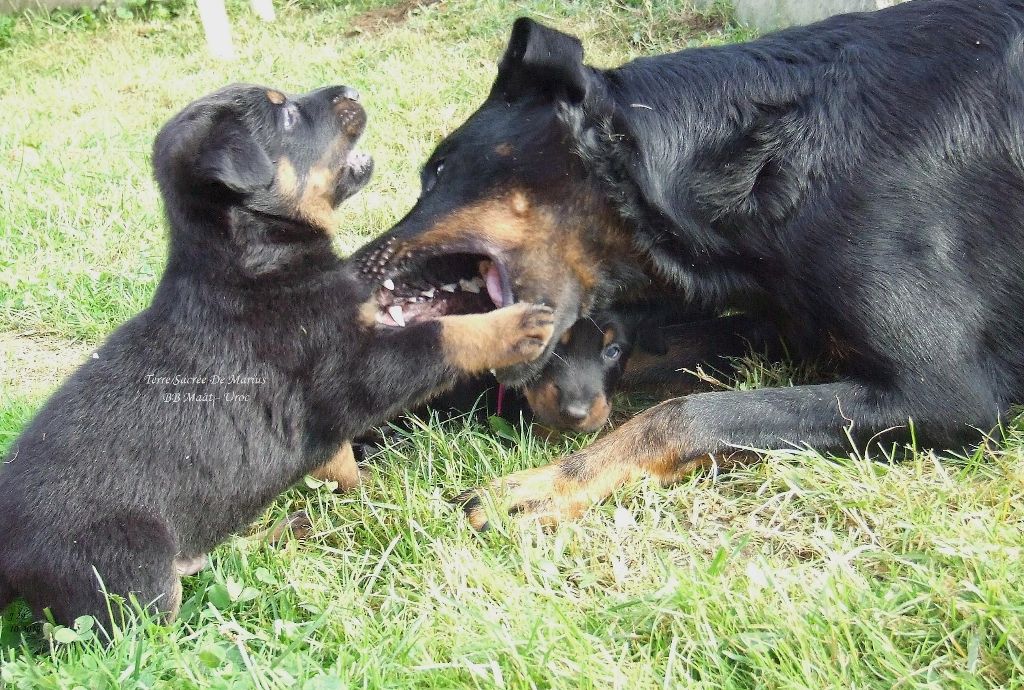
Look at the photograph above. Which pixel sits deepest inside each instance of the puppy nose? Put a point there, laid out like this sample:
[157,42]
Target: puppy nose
[345,93]
[577,411]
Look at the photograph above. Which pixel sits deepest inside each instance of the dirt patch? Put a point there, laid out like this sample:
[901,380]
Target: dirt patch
[31,365]
[709,21]
[377,20]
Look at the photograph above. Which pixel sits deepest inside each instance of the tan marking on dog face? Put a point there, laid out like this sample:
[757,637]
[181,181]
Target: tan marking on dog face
[275,97]
[546,246]
[566,337]
[543,400]
[314,206]
[368,311]
[287,179]
[600,409]
[504,149]
[609,337]
[520,204]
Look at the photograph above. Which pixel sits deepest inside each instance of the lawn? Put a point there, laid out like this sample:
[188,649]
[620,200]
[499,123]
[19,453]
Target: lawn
[803,572]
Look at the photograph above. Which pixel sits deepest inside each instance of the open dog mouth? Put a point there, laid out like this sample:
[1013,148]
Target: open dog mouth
[460,283]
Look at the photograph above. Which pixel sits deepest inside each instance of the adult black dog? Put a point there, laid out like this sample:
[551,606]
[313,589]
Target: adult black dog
[255,362]
[859,181]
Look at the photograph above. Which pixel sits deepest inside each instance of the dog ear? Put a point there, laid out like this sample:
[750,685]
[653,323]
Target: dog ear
[540,58]
[207,142]
[235,159]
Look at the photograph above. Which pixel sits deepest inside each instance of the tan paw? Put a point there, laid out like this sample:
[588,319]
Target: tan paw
[297,525]
[548,495]
[497,339]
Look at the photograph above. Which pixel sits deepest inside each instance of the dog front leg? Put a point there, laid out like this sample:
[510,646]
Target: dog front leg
[672,440]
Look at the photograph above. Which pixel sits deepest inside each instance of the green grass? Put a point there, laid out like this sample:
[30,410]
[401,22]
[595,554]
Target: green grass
[802,572]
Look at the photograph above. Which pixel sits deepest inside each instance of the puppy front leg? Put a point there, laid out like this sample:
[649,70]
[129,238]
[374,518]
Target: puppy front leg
[475,343]
[401,367]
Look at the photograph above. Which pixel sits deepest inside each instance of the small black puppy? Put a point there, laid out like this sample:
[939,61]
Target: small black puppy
[257,359]
[573,392]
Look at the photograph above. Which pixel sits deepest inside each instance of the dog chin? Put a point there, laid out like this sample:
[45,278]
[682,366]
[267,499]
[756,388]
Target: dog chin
[522,374]
[358,171]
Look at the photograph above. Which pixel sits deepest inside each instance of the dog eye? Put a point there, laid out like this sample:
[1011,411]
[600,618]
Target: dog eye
[430,179]
[289,116]
[612,352]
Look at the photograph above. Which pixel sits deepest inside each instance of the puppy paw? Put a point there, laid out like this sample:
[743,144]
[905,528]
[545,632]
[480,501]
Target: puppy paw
[190,566]
[297,525]
[524,330]
[497,339]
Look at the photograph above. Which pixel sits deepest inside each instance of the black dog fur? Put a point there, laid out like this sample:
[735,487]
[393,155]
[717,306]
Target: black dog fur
[858,184]
[255,362]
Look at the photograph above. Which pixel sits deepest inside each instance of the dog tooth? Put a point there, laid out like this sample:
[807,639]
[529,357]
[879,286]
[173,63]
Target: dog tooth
[429,294]
[469,285]
[389,284]
[395,312]
[450,287]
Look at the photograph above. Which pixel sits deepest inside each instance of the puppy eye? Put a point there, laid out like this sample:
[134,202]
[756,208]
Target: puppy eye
[289,116]
[612,352]
[430,178]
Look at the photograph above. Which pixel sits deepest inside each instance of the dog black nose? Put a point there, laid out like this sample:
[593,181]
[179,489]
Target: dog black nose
[577,411]
[346,93]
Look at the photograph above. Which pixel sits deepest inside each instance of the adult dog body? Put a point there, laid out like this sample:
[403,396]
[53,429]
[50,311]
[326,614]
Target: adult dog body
[859,183]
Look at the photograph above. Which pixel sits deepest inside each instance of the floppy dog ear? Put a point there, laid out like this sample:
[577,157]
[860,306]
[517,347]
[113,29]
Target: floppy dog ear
[233,158]
[539,57]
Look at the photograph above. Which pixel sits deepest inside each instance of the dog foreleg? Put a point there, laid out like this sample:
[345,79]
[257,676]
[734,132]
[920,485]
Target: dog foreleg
[670,441]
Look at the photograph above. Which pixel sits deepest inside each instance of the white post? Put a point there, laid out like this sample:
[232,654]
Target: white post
[218,30]
[264,9]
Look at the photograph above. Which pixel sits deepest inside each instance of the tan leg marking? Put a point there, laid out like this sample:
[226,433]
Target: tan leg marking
[475,343]
[342,468]
[566,488]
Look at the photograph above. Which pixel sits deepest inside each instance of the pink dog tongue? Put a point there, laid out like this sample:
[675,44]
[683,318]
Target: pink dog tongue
[493,281]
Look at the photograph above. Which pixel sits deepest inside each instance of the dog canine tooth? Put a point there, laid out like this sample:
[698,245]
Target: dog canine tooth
[389,284]
[395,312]
[450,287]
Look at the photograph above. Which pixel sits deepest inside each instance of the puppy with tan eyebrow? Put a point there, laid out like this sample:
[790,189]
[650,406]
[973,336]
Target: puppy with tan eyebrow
[257,358]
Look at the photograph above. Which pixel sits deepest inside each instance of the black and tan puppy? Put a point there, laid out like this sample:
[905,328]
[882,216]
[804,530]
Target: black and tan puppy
[574,391]
[855,185]
[254,363]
